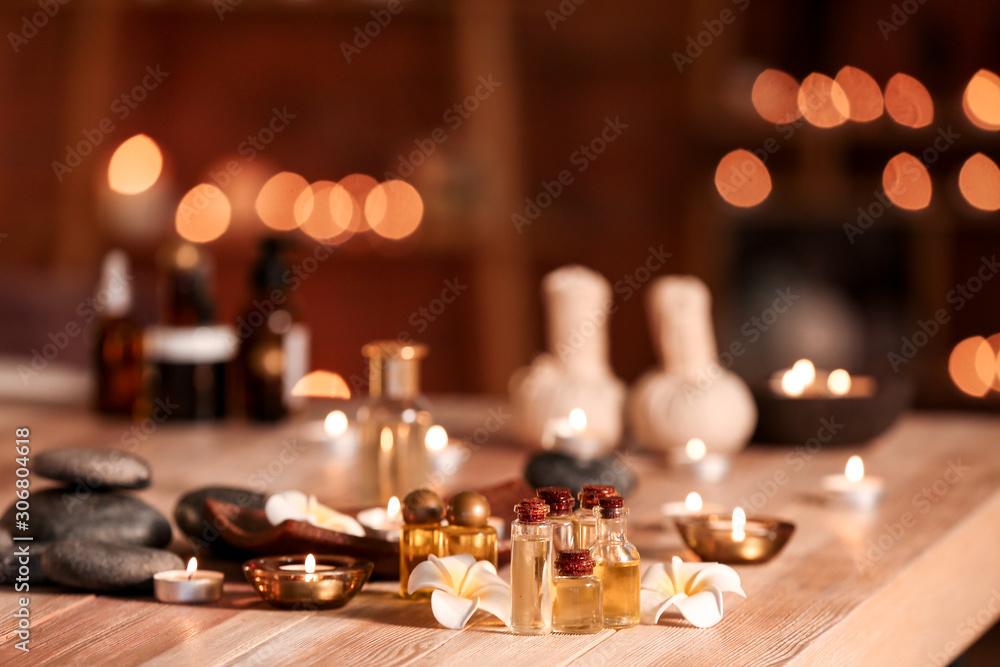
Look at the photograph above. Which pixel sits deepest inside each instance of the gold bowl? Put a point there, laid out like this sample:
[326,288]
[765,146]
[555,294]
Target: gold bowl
[283,581]
[711,538]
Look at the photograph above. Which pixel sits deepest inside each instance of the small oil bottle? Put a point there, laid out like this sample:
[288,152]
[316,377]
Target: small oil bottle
[576,605]
[468,530]
[118,339]
[617,565]
[560,501]
[586,528]
[422,513]
[531,569]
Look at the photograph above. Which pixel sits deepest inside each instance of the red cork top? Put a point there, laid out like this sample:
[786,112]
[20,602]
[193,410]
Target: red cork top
[611,506]
[591,493]
[574,563]
[559,499]
[531,510]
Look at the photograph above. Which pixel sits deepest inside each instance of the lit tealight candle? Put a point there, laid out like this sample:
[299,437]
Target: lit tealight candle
[696,458]
[839,382]
[309,567]
[188,586]
[383,522]
[692,504]
[853,488]
[571,436]
[443,455]
[739,523]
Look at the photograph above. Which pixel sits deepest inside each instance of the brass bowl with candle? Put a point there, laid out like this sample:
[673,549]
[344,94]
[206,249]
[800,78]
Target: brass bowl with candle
[712,538]
[288,582]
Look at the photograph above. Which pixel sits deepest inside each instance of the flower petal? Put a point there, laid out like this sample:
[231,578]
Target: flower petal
[452,611]
[430,574]
[656,578]
[682,572]
[296,506]
[652,605]
[721,576]
[495,600]
[702,610]
[283,506]
[480,575]
[454,568]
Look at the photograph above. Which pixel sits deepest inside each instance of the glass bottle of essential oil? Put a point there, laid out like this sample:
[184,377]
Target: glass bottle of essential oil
[419,537]
[393,422]
[586,523]
[617,565]
[576,605]
[117,340]
[531,569]
[468,530]
[560,501]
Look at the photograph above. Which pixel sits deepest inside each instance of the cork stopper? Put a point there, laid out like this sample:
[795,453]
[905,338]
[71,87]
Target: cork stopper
[574,563]
[611,507]
[531,510]
[559,499]
[591,493]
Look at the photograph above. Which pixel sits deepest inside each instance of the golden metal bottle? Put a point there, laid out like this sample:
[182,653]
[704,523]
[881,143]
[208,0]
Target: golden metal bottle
[531,570]
[420,535]
[576,604]
[617,565]
[564,524]
[468,530]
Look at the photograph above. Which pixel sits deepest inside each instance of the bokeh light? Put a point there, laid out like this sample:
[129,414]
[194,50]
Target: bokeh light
[979,182]
[394,209]
[775,96]
[321,384]
[907,183]
[358,185]
[908,101]
[994,343]
[325,211]
[822,101]
[203,214]
[276,200]
[981,100]
[864,96]
[742,179]
[972,366]
[135,165]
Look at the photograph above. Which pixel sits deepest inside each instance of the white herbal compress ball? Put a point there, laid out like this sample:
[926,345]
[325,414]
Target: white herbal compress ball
[575,372]
[690,395]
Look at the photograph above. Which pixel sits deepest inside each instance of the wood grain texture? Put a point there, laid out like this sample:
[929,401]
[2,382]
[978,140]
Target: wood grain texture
[850,588]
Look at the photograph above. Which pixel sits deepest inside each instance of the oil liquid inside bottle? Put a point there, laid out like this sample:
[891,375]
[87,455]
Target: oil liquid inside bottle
[531,585]
[620,590]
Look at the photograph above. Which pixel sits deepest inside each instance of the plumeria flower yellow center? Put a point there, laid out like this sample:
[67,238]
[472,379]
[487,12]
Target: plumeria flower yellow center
[693,589]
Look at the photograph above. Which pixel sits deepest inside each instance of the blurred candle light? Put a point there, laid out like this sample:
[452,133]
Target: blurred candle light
[322,384]
[907,182]
[203,214]
[436,438]
[853,488]
[739,521]
[979,181]
[839,382]
[335,423]
[775,96]
[358,186]
[981,100]
[742,179]
[908,101]
[394,209]
[972,366]
[135,165]
[578,419]
[863,94]
[693,502]
[822,101]
[277,199]
[696,449]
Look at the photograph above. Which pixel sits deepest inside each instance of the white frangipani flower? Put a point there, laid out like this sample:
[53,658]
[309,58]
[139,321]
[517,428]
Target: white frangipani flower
[461,586]
[695,589]
[300,507]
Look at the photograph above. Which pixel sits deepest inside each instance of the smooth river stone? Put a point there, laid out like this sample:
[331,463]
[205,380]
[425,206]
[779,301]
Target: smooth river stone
[62,514]
[10,564]
[203,535]
[93,469]
[105,567]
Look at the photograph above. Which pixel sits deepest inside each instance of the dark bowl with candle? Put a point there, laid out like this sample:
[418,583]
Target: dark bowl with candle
[855,418]
[711,538]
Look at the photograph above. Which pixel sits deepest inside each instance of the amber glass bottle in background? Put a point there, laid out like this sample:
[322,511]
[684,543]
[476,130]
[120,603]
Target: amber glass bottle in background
[564,524]
[117,351]
[576,602]
[531,569]
[393,423]
[616,565]
[419,537]
[586,529]
[274,344]
[468,530]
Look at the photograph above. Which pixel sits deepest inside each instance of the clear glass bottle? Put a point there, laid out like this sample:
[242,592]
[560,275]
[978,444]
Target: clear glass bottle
[393,422]
[468,530]
[560,501]
[617,565]
[576,604]
[531,569]
[419,537]
[117,351]
[586,523]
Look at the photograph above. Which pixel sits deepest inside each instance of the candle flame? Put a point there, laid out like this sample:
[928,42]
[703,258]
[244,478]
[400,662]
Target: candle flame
[192,567]
[739,521]
[855,469]
[839,382]
[806,371]
[385,439]
[693,502]
[577,419]
[436,438]
[798,378]
[335,423]
[310,564]
[696,449]
[790,383]
[392,509]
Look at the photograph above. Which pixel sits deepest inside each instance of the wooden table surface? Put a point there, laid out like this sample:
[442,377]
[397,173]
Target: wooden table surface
[849,589]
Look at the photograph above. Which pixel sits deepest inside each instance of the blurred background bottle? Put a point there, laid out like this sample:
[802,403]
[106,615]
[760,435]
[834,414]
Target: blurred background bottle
[117,351]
